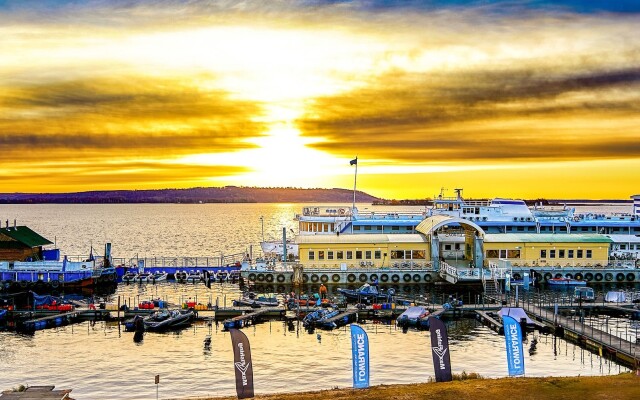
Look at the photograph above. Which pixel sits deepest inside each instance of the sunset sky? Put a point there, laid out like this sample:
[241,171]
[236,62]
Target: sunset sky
[519,99]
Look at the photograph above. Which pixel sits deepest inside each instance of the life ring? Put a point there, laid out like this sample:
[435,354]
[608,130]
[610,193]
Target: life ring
[314,278]
[55,283]
[598,277]
[631,277]
[351,278]
[416,277]
[569,276]
[280,278]
[395,278]
[548,276]
[384,277]
[579,276]
[588,276]
[406,277]
[111,277]
[324,278]
[305,278]
[427,277]
[517,276]
[362,278]
[620,277]
[268,277]
[252,277]
[260,277]
[341,211]
[608,276]
[24,284]
[335,278]
[281,288]
[373,277]
[558,275]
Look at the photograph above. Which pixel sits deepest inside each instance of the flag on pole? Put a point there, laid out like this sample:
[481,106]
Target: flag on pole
[513,337]
[440,350]
[354,161]
[360,357]
[242,364]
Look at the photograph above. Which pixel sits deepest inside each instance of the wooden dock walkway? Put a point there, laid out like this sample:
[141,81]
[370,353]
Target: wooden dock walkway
[492,322]
[623,350]
[37,393]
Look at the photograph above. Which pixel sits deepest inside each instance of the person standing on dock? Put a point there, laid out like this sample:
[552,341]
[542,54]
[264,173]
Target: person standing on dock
[323,291]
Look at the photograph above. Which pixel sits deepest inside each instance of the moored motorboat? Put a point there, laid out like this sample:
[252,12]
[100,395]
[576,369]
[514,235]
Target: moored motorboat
[257,300]
[416,316]
[367,294]
[561,282]
[194,277]
[135,324]
[168,319]
[181,276]
[320,318]
[157,277]
[129,277]
[142,277]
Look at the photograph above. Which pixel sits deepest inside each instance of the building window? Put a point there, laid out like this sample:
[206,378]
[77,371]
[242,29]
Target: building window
[589,255]
[359,255]
[367,254]
[447,247]
[339,255]
[561,253]
[503,254]
[356,227]
[418,254]
[570,255]
[492,253]
[312,255]
[329,255]
[397,254]
[320,254]
[552,254]
[579,255]
[367,228]
[378,254]
[395,228]
[513,253]
[349,255]
[543,254]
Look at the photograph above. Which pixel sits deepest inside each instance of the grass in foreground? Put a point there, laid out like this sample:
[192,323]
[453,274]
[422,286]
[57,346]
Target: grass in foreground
[615,387]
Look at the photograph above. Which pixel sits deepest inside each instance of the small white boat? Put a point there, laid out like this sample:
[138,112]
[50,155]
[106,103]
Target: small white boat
[142,277]
[129,277]
[181,276]
[615,297]
[194,277]
[157,277]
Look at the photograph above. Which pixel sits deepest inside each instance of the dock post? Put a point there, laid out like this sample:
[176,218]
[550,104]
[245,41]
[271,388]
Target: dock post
[118,307]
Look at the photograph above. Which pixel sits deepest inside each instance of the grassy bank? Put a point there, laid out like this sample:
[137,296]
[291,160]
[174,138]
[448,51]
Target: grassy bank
[623,386]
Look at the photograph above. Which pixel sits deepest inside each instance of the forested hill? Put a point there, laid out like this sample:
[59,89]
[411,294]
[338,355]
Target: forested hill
[227,194]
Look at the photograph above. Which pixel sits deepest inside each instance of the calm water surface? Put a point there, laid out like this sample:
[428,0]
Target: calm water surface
[99,360]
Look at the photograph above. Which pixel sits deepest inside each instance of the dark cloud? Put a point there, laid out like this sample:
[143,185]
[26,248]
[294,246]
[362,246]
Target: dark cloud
[135,113]
[493,115]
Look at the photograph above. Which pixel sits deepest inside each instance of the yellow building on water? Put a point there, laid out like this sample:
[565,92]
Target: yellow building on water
[421,249]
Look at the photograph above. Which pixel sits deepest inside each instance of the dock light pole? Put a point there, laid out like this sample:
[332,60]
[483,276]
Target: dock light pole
[157,384]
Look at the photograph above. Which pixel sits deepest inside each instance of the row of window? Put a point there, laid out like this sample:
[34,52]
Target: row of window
[552,253]
[365,255]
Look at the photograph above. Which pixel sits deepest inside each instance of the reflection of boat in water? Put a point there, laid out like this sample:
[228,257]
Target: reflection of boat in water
[168,319]
[583,294]
[129,276]
[415,316]
[367,294]
[135,324]
[251,299]
[562,282]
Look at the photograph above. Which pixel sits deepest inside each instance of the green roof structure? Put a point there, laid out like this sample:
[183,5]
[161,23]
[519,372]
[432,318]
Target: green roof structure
[23,235]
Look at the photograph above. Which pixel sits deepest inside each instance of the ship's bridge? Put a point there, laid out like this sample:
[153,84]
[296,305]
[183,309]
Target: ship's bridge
[473,237]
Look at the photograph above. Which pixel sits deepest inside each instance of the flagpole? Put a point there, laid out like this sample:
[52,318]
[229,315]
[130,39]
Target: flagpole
[355,178]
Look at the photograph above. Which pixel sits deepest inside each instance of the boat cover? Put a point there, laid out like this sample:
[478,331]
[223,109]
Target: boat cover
[616,297]
[516,313]
[413,312]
